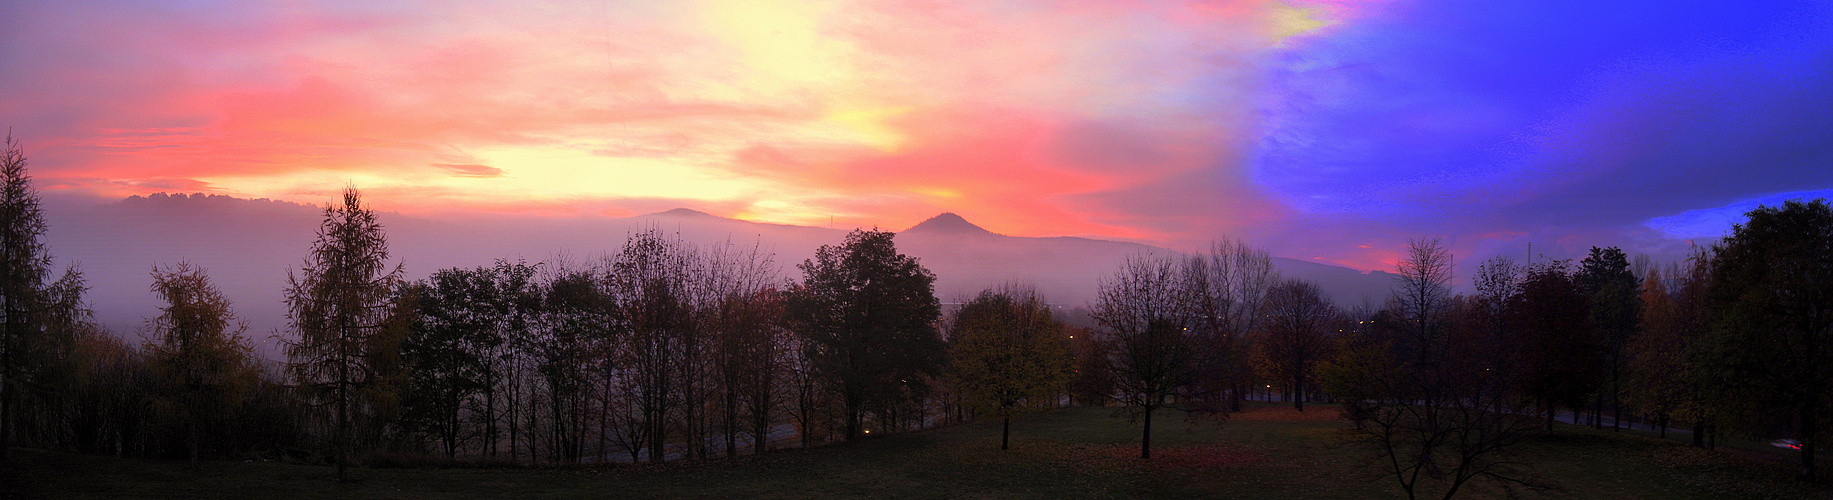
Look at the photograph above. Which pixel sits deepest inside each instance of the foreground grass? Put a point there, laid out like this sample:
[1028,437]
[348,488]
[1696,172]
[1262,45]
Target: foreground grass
[1268,452]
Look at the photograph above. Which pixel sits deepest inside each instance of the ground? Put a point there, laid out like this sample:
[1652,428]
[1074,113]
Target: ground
[1268,452]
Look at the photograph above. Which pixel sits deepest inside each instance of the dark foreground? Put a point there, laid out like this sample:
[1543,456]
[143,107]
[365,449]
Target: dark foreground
[1269,452]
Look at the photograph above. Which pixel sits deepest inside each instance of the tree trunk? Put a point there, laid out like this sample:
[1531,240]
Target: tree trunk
[1298,393]
[1145,441]
[1005,433]
[6,393]
[1616,398]
[191,429]
[1810,428]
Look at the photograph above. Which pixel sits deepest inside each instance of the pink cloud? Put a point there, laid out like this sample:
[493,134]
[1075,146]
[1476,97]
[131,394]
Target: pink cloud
[1038,118]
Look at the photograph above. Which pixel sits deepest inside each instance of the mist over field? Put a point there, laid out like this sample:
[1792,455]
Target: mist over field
[248,246]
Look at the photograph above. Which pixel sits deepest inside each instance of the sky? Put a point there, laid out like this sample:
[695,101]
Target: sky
[1326,130]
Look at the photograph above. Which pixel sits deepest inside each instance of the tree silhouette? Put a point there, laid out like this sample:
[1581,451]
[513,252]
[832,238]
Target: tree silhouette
[1561,350]
[1771,346]
[1422,287]
[651,278]
[338,299]
[1151,352]
[1615,309]
[446,350]
[1223,293]
[1299,323]
[869,314]
[24,264]
[1431,382]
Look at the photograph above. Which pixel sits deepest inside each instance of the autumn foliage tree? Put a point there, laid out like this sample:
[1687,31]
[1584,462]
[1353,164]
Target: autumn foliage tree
[199,354]
[337,301]
[1662,381]
[1006,353]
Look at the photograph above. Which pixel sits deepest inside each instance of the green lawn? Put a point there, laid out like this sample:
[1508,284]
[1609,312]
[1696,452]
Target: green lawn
[1269,452]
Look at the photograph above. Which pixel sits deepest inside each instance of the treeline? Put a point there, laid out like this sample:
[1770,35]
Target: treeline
[1734,339]
[664,349]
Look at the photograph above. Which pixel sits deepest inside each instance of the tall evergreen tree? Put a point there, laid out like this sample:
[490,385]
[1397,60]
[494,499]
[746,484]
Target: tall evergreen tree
[338,300]
[24,263]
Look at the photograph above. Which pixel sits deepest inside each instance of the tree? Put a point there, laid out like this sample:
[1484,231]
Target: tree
[1771,345]
[1661,379]
[651,278]
[24,265]
[1430,380]
[1422,286]
[1223,292]
[1093,383]
[1558,344]
[336,301]
[574,312]
[1007,352]
[1298,325]
[1152,352]
[1615,309]
[869,314]
[745,319]
[199,352]
[446,369]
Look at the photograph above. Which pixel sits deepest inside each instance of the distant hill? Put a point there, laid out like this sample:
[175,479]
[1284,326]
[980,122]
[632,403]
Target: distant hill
[248,245]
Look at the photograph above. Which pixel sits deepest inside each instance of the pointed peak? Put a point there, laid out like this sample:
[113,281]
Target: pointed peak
[685,212]
[948,223]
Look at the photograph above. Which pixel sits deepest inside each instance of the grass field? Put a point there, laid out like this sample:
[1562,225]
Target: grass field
[1268,452]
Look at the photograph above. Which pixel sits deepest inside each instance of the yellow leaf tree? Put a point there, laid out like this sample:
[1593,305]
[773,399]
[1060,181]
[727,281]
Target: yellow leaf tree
[1008,354]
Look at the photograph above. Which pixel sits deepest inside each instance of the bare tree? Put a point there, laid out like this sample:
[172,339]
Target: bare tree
[1223,291]
[1152,352]
[1432,427]
[745,320]
[1421,288]
[336,301]
[650,278]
